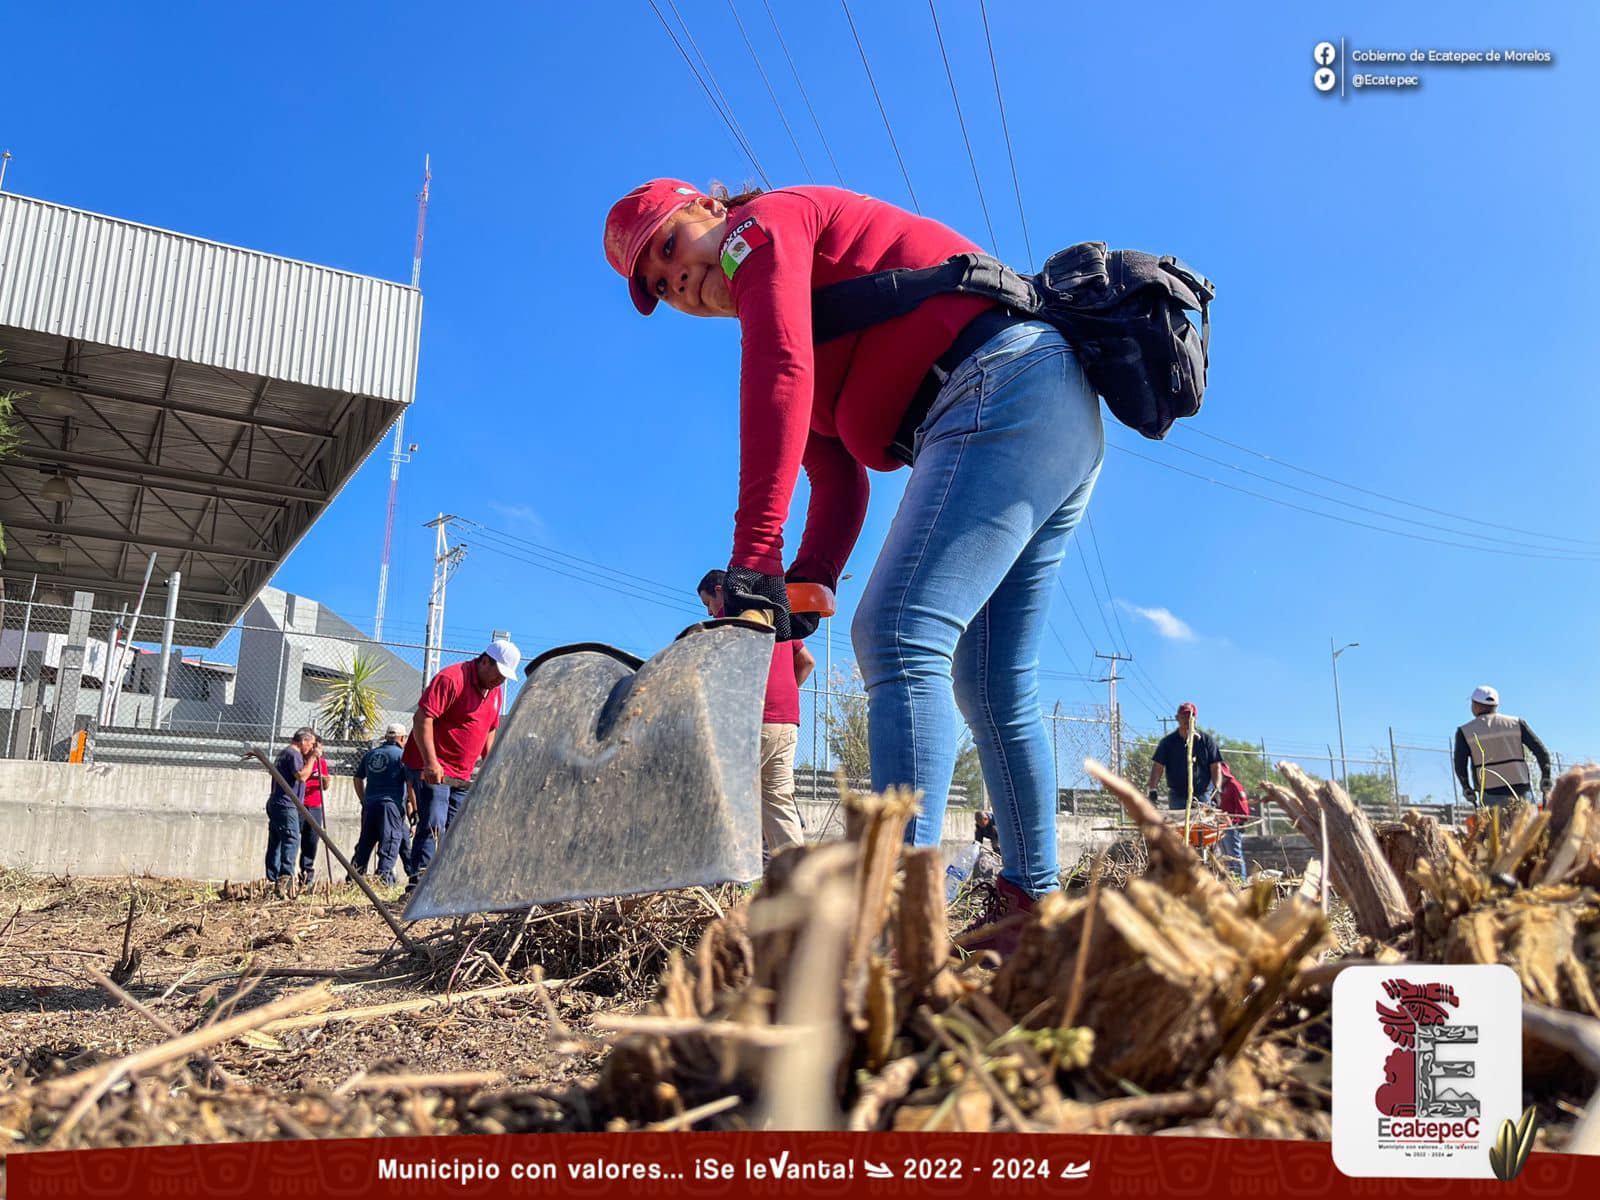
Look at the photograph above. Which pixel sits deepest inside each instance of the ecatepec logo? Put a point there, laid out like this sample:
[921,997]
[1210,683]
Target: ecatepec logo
[1418,1079]
[1427,1062]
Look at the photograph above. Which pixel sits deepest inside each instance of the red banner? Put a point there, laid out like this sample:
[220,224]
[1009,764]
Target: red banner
[710,1165]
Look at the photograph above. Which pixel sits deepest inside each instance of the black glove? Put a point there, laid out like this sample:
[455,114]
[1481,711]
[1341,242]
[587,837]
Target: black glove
[744,589]
[1151,795]
[803,625]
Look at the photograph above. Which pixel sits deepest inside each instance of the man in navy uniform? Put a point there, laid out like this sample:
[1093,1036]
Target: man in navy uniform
[380,781]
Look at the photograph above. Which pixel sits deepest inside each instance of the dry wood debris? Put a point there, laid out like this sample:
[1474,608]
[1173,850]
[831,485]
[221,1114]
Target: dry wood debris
[1159,996]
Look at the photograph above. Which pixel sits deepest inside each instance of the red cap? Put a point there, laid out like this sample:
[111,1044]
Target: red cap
[1187,707]
[633,221]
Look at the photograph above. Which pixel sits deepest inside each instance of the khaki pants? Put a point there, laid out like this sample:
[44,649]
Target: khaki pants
[780,816]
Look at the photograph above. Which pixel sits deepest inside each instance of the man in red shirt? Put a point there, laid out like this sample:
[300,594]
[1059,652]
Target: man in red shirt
[316,783]
[792,664]
[452,731]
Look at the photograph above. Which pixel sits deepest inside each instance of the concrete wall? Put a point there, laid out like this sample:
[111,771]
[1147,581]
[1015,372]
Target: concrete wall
[1075,836]
[182,822]
[210,823]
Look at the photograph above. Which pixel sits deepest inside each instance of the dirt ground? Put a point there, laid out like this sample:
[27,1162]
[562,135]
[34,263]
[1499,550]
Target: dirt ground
[195,948]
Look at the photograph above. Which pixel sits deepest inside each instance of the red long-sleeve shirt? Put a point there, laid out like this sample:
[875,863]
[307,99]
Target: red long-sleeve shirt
[833,408]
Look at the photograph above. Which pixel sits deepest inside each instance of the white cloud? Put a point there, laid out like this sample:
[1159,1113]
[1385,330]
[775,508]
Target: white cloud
[1168,626]
[520,515]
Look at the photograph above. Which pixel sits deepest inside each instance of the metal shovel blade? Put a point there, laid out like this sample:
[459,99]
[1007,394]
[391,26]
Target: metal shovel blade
[612,776]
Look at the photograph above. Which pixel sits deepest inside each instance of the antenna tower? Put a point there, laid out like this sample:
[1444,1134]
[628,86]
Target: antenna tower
[398,454]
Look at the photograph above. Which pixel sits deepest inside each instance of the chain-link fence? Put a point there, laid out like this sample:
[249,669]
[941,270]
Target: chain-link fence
[1385,782]
[83,684]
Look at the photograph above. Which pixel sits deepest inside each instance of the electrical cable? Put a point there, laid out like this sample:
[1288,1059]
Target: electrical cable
[756,58]
[904,174]
[1417,537]
[1005,128]
[1438,512]
[1083,558]
[619,583]
[804,95]
[972,158]
[667,590]
[1377,512]
[727,117]
[1106,579]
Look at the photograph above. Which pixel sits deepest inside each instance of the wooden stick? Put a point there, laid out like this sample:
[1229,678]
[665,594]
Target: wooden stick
[1085,937]
[1019,1123]
[765,1036]
[156,1019]
[361,882]
[442,1080]
[689,1116]
[1131,1108]
[887,1086]
[97,1081]
[420,1004]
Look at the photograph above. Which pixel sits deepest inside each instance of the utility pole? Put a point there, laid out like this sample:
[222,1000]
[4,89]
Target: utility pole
[1338,709]
[400,454]
[1116,713]
[446,558]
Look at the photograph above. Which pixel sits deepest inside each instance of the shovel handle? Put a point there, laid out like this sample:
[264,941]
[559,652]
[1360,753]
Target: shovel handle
[810,598]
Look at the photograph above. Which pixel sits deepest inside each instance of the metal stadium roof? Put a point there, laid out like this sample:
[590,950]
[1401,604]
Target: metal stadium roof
[199,401]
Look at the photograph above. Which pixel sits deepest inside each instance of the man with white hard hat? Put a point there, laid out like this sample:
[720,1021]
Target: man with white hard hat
[1490,757]
[453,730]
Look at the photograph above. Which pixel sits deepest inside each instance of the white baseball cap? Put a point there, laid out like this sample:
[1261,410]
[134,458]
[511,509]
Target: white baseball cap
[506,656]
[395,729]
[1486,695]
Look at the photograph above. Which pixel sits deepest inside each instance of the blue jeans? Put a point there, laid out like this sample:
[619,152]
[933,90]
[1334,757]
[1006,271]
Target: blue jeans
[309,831]
[1233,850]
[1178,801]
[437,805]
[383,821]
[283,839]
[955,610]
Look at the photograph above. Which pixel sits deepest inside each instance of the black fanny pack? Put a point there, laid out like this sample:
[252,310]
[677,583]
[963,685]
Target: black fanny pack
[1125,312]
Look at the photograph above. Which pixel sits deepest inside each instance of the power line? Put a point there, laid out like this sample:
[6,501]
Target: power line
[1416,537]
[1093,591]
[1377,512]
[613,587]
[665,592]
[726,115]
[561,562]
[1067,596]
[1116,613]
[1438,512]
[756,58]
[962,121]
[804,95]
[1106,579]
[1155,688]
[1005,127]
[904,174]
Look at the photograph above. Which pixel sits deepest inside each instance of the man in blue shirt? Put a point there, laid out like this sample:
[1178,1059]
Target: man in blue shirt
[294,763]
[380,781]
[1172,757]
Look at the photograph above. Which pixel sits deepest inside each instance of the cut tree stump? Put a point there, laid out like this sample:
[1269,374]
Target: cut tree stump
[1356,862]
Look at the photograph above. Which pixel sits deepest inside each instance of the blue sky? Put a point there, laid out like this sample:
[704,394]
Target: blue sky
[1405,303]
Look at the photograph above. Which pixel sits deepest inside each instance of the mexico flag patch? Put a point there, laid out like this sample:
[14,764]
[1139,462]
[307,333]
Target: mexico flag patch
[746,236]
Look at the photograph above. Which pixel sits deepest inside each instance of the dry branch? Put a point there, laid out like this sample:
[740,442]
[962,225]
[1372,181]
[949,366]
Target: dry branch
[420,1004]
[1353,857]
